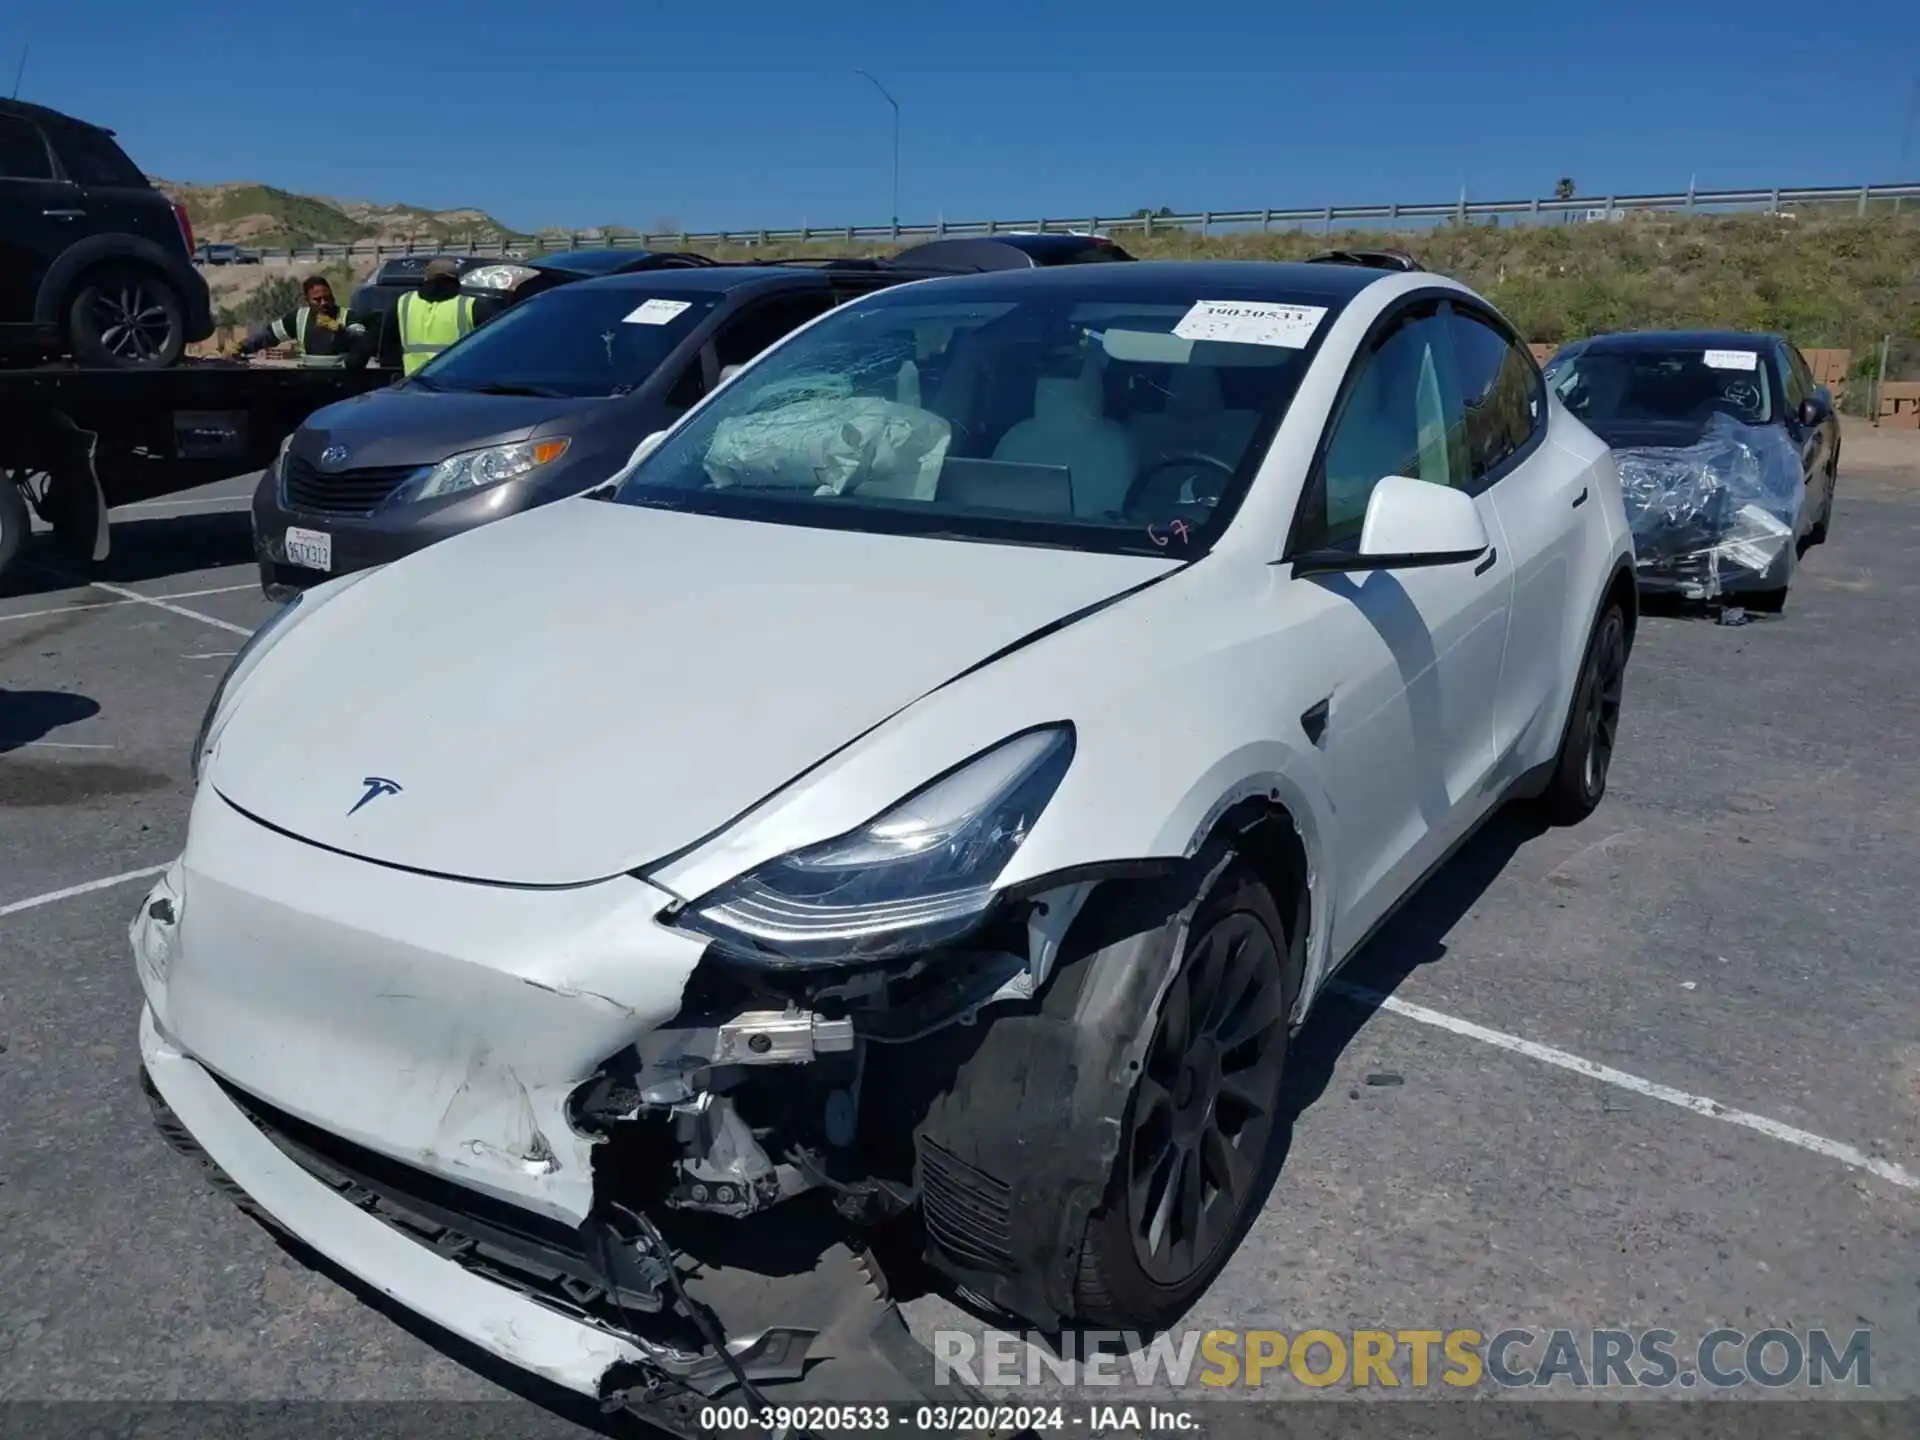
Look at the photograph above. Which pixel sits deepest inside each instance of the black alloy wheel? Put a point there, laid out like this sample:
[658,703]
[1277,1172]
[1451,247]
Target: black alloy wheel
[1205,1108]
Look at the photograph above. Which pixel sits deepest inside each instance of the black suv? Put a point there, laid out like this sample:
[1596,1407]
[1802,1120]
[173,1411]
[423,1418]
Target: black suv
[94,262]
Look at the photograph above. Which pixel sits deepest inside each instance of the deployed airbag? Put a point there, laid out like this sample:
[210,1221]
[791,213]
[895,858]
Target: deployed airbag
[1718,515]
[830,445]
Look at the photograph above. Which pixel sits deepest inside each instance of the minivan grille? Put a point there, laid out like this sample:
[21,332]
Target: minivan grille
[345,492]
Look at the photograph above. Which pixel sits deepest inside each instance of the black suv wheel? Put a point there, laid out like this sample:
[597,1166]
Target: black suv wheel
[127,318]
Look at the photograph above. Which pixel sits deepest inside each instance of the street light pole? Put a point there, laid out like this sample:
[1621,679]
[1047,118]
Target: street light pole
[896,142]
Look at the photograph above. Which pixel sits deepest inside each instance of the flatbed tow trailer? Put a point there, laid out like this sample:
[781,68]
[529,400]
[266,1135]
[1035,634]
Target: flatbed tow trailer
[75,443]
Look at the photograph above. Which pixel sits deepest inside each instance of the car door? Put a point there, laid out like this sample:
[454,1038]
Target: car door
[114,192]
[1810,440]
[1413,654]
[1542,497]
[40,216]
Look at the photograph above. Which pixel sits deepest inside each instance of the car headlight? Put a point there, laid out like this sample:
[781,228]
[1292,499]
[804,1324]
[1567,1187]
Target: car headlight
[243,659]
[474,469]
[497,277]
[917,877]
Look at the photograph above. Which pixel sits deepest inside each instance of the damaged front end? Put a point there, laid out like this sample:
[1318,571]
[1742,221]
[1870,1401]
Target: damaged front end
[1716,517]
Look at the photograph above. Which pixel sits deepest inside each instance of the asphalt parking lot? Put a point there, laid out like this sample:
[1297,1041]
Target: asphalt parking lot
[1730,936]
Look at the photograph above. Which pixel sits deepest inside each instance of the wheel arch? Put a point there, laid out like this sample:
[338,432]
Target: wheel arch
[65,276]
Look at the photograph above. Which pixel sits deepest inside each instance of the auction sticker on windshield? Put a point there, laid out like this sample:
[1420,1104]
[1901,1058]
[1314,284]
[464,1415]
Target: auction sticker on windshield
[311,549]
[1733,359]
[658,312]
[1251,322]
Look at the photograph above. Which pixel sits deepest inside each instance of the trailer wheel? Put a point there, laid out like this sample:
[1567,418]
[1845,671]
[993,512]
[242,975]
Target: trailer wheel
[127,318]
[14,522]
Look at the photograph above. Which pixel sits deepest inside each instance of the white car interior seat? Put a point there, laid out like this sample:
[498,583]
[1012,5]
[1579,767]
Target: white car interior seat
[1069,427]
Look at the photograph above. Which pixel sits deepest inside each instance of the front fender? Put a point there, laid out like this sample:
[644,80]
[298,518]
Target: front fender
[56,290]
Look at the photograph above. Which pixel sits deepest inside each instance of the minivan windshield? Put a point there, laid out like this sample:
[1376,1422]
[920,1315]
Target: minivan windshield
[1682,385]
[579,340]
[1034,408]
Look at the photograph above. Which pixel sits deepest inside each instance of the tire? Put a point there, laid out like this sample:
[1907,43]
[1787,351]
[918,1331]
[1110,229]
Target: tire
[1762,602]
[1202,1110]
[1818,534]
[1579,779]
[127,318]
[15,523]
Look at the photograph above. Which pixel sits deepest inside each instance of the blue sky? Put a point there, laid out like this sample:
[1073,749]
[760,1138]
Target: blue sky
[749,113]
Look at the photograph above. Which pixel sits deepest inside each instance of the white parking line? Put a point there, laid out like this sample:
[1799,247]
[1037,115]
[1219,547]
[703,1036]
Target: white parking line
[1652,1089]
[115,604]
[170,608]
[34,902]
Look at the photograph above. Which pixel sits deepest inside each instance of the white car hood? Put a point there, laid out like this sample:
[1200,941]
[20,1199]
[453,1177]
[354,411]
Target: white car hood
[589,687]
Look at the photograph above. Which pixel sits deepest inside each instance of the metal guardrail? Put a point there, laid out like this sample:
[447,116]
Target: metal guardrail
[1777,199]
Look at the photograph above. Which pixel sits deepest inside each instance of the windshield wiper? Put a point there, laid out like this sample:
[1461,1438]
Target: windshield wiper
[533,390]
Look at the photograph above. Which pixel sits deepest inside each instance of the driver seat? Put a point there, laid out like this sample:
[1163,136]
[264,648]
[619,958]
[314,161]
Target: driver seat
[1196,420]
[1069,428]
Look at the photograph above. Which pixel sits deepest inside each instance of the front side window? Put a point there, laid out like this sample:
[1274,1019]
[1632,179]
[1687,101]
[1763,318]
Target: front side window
[1399,415]
[23,154]
[761,324]
[1800,385]
[580,340]
[1499,391]
[1035,408]
[1677,386]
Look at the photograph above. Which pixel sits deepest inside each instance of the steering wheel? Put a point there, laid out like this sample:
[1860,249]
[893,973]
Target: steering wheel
[1139,489]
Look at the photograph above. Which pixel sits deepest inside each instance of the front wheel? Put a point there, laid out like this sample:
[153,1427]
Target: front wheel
[14,521]
[127,319]
[1586,749]
[1198,1131]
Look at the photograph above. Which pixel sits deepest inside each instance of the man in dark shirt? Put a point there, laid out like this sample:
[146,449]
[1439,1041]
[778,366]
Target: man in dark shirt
[321,329]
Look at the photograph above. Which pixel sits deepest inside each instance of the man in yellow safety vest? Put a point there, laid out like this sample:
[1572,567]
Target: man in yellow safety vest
[435,316]
[322,330]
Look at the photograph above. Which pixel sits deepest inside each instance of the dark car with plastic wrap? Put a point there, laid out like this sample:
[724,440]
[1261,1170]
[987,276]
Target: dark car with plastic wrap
[1727,449]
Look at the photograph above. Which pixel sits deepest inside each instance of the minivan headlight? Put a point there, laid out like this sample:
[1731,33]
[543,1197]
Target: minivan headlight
[475,469]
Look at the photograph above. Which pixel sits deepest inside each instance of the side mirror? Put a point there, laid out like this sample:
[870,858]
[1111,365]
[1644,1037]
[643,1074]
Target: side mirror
[1410,524]
[727,372]
[1816,408]
[645,448]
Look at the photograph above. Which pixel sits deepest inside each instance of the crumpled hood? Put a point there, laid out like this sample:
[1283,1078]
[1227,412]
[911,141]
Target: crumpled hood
[422,427]
[585,688]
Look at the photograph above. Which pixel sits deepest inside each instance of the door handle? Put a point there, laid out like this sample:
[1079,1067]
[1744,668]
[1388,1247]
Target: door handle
[63,214]
[1493,558]
[1581,498]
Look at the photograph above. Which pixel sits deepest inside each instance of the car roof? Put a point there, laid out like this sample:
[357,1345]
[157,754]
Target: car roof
[1631,340]
[707,279]
[27,110]
[1294,279]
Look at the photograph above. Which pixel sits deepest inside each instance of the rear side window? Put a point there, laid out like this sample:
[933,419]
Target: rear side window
[91,158]
[23,154]
[1500,390]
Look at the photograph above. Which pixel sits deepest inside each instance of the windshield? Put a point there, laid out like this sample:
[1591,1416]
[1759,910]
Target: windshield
[1685,386]
[1084,416]
[580,340]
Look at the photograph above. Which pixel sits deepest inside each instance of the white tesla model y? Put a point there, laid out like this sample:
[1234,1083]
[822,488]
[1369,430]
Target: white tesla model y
[927,787]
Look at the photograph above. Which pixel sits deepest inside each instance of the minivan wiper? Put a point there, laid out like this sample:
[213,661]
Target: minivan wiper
[533,390]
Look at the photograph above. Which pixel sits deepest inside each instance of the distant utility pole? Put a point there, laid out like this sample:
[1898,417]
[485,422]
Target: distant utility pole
[25,50]
[896,142]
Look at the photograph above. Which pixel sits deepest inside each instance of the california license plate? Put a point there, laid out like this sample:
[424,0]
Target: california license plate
[310,549]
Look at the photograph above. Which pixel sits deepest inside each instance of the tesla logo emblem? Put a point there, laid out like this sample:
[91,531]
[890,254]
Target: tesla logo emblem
[376,787]
[334,456]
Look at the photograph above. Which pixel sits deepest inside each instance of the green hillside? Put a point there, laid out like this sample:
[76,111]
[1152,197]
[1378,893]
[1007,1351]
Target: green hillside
[263,215]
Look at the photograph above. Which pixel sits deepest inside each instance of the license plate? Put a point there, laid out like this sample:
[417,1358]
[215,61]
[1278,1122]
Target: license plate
[311,549]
